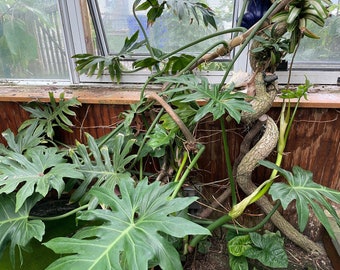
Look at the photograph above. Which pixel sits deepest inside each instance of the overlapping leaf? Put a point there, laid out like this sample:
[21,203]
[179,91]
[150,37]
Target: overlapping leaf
[51,114]
[39,170]
[99,165]
[267,248]
[90,64]
[27,138]
[15,227]
[191,88]
[180,9]
[306,193]
[132,233]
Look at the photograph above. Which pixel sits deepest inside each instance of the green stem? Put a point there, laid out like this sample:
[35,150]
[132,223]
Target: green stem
[242,229]
[70,213]
[257,27]
[142,28]
[153,124]
[187,171]
[228,162]
[227,31]
[216,224]
[107,137]
[141,169]
[184,161]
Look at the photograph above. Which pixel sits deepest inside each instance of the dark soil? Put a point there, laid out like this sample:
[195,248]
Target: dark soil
[216,259]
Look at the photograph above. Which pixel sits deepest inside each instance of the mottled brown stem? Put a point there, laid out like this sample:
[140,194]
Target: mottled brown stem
[244,171]
[191,142]
[238,40]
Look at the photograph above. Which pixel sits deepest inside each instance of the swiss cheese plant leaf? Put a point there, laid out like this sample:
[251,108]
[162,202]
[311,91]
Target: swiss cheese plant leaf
[180,9]
[105,165]
[37,171]
[16,229]
[306,193]
[132,233]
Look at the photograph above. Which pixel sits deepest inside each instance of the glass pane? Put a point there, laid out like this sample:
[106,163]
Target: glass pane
[31,41]
[324,50]
[167,33]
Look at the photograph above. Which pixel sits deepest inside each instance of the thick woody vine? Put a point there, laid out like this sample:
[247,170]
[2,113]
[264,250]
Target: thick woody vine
[277,32]
[264,90]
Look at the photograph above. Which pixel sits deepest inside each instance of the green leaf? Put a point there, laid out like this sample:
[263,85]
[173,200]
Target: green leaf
[26,138]
[21,44]
[185,111]
[131,235]
[180,8]
[301,188]
[146,63]
[239,244]
[131,44]
[301,91]
[238,262]
[98,164]
[49,115]
[268,249]
[160,137]
[15,227]
[39,170]
[177,63]
[190,88]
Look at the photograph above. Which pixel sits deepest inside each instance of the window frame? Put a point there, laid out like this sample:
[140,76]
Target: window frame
[75,43]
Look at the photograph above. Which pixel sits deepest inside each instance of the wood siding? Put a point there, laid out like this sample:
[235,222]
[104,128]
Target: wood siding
[314,143]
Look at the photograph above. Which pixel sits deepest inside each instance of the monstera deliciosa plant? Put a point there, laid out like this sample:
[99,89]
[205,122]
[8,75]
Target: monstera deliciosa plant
[131,217]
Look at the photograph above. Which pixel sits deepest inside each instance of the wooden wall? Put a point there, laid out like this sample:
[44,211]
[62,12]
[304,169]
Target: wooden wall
[314,143]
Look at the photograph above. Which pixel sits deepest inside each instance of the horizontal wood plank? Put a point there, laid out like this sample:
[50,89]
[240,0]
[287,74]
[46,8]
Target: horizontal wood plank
[127,94]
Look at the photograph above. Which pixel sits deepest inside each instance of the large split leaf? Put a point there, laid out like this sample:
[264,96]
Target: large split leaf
[132,235]
[15,227]
[306,193]
[191,88]
[27,138]
[38,170]
[105,165]
[50,115]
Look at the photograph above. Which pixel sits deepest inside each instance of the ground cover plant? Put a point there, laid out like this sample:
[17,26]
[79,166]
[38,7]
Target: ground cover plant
[130,219]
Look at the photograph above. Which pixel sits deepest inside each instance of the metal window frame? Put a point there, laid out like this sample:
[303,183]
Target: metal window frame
[75,43]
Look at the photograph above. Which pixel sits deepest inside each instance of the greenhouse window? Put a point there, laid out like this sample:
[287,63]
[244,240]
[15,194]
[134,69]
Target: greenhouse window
[31,40]
[111,21]
[52,31]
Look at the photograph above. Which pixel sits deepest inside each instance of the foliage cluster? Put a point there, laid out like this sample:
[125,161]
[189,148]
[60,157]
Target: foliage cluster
[132,220]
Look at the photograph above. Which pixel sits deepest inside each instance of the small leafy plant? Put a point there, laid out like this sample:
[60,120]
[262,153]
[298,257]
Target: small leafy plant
[267,249]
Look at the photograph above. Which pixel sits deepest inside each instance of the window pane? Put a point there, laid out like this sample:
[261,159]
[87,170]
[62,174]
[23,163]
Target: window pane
[31,41]
[323,53]
[167,33]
